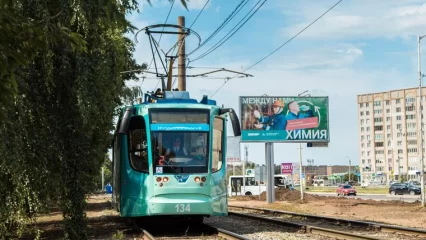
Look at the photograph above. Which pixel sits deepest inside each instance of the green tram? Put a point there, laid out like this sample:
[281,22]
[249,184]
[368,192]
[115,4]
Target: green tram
[169,157]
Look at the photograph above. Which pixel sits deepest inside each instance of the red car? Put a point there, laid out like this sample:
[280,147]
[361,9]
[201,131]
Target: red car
[345,190]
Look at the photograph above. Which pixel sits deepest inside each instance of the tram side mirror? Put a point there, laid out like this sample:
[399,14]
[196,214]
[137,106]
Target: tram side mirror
[234,120]
[124,126]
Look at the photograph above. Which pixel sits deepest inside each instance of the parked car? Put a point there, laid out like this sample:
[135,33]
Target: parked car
[403,188]
[345,190]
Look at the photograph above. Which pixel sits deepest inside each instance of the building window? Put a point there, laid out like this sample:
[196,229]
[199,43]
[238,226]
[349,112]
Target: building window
[362,121]
[400,151]
[367,113]
[412,142]
[367,104]
[398,126]
[387,102]
[398,118]
[411,125]
[411,116]
[389,152]
[378,144]
[412,150]
[378,128]
[399,143]
[378,111]
[361,105]
[398,101]
[361,113]
[362,129]
[378,119]
[409,108]
[377,103]
[387,110]
[410,100]
[368,129]
[380,152]
[411,134]
[398,109]
[388,127]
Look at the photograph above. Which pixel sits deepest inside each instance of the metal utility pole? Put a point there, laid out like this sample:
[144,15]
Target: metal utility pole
[421,124]
[181,56]
[244,168]
[103,181]
[300,156]
[349,173]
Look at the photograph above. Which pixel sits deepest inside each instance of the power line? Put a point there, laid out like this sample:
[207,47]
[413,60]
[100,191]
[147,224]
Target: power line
[280,46]
[218,44]
[221,26]
[161,35]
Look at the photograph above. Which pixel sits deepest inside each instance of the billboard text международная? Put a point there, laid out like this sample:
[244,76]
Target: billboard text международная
[284,119]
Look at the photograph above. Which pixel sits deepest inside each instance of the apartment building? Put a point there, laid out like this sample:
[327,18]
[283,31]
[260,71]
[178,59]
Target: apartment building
[389,139]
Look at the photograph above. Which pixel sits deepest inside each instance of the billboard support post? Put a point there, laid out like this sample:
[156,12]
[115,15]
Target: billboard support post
[300,172]
[269,157]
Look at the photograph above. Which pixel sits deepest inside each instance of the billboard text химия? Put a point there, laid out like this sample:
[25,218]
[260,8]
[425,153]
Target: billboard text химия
[284,119]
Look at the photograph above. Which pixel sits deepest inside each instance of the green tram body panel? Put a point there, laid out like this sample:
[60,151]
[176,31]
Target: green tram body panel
[137,192]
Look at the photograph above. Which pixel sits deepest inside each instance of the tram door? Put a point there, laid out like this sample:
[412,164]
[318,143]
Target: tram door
[236,185]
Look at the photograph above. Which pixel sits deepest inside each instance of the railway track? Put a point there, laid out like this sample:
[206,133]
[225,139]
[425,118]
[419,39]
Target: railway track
[182,231]
[299,220]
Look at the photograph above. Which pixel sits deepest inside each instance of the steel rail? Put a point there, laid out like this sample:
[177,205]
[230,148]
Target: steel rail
[368,224]
[147,235]
[307,228]
[225,234]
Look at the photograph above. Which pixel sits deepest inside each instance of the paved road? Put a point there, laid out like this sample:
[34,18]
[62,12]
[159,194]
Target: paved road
[378,197]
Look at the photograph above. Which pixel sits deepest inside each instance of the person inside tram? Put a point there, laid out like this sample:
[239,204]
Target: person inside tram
[177,149]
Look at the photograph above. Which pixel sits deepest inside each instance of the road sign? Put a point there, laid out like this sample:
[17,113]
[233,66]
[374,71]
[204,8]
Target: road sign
[317,144]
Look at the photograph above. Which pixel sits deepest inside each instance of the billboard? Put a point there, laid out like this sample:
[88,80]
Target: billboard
[284,119]
[233,149]
[290,168]
[286,168]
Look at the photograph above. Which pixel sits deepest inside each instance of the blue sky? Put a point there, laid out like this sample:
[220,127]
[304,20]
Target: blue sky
[358,47]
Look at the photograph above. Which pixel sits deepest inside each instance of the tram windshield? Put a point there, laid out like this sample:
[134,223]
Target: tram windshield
[180,152]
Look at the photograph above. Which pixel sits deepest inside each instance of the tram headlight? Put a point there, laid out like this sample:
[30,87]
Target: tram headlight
[158,179]
[197,179]
[203,179]
[165,179]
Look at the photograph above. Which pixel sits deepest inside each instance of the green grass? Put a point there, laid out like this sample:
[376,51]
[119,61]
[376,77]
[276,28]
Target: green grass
[367,190]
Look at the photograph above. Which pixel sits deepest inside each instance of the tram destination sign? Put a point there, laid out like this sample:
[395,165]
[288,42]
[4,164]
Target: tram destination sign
[284,119]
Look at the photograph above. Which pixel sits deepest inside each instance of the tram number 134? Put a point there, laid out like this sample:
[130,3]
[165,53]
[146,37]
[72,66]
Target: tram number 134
[183,208]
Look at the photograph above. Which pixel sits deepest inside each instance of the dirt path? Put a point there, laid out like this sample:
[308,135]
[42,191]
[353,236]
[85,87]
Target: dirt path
[103,222]
[391,212]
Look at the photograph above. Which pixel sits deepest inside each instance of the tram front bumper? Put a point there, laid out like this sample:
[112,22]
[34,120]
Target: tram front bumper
[180,204]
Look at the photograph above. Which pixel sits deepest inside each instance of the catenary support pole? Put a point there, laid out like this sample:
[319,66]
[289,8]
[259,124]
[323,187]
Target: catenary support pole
[181,56]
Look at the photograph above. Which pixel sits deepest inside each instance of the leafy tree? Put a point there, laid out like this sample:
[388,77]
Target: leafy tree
[60,64]
[353,177]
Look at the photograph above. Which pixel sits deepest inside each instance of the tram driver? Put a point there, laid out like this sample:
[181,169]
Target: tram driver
[176,150]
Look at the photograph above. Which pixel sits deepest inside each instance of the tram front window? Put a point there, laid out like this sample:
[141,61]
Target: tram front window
[180,152]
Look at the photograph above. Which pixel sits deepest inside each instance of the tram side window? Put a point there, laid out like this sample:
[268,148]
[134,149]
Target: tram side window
[138,145]
[217,154]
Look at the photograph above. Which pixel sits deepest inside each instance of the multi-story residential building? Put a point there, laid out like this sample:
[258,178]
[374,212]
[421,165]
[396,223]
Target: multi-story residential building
[389,139]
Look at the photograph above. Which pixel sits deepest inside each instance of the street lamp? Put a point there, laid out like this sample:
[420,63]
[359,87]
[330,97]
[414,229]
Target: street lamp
[421,122]
[349,168]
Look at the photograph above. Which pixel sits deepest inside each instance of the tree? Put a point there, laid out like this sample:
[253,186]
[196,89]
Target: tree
[60,64]
[353,177]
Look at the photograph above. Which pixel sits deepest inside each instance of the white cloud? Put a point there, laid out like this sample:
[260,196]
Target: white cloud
[197,4]
[366,19]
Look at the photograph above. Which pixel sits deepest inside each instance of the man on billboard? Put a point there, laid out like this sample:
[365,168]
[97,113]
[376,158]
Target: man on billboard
[277,121]
[294,115]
